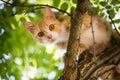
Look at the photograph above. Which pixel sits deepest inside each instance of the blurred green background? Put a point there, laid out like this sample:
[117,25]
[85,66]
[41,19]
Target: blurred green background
[21,57]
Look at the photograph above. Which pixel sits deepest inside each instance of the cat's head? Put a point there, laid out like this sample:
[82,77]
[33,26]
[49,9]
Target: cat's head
[47,30]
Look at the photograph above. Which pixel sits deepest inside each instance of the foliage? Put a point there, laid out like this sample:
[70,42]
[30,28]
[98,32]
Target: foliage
[22,58]
[108,8]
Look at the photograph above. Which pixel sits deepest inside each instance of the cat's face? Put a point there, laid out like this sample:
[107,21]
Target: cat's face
[47,30]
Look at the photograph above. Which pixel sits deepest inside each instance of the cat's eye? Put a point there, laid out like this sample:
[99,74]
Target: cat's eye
[51,27]
[41,34]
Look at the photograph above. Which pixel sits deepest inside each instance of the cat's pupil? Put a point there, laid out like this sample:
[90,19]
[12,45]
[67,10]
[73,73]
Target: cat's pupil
[41,34]
[51,27]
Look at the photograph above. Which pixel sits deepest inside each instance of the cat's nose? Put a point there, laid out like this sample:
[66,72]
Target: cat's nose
[49,36]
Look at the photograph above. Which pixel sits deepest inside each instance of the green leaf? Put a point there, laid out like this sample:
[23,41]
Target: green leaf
[115,2]
[108,7]
[103,3]
[102,14]
[64,6]
[111,13]
[56,3]
[22,19]
[74,1]
[119,27]
[72,9]
[117,8]
[116,20]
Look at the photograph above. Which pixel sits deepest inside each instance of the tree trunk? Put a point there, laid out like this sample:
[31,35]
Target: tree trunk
[70,71]
[85,68]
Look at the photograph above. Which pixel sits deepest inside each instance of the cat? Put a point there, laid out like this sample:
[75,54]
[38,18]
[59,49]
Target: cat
[53,30]
[50,30]
[56,30]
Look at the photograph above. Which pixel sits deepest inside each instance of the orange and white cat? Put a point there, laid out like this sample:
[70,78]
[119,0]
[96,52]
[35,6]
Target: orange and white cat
[49,29]
[53,30]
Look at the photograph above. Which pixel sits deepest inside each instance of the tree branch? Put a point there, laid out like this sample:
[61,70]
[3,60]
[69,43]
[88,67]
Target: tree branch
[33,5]
[107,59]
[104,72]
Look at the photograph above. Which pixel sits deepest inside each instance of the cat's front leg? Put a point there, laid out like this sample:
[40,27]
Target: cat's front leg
[81,48]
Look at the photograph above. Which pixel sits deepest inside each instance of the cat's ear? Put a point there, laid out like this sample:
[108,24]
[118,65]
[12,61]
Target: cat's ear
[48,12]
[29,26]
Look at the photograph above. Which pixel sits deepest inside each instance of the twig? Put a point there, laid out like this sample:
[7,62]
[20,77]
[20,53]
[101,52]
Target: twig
[114,25]
[32,5]
[18,12]
[93,37]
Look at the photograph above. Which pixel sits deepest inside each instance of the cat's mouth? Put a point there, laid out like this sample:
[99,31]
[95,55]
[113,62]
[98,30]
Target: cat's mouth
[48,41]
[51,40]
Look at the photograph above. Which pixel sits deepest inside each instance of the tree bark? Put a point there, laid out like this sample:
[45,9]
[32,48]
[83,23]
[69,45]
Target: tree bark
[70,71]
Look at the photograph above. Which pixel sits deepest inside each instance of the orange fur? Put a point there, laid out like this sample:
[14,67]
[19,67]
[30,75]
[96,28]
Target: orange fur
[101,34]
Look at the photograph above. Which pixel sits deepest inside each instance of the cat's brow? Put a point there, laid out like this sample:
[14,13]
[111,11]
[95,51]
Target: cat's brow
[45,23]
